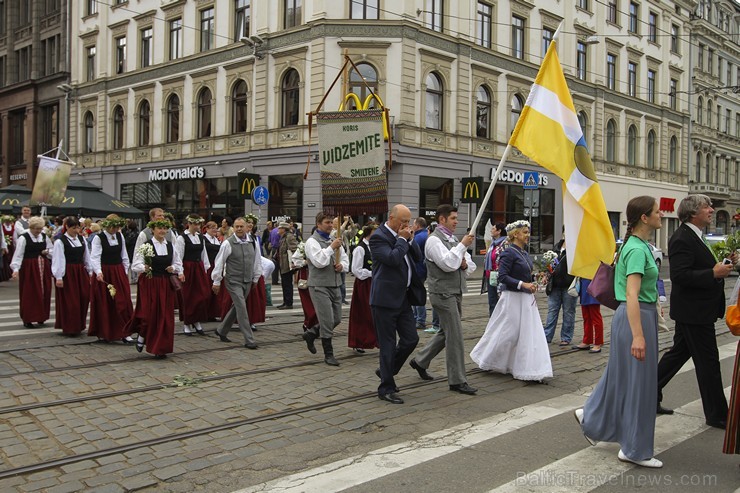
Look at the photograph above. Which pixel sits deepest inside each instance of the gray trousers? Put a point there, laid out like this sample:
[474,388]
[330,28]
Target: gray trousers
[238,310]
[328,304]
[449,337]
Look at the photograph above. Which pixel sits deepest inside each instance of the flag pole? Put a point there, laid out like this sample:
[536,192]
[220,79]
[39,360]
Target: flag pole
[483,204]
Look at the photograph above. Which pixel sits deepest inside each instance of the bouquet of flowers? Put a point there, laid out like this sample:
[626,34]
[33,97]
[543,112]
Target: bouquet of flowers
[8,240]
[111,290]
[298,258]
[146,250]
[547,264]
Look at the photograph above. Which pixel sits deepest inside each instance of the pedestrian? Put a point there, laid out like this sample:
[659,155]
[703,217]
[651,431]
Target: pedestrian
[731,443]
[420,238]
[310,320]
[94,230]
[226,228]
[22,223]
[238,262]
[196,289]
[448,267]
[155,261]
[558,297]
[257,297]
[31,266]
[155,214]
[622,406]
[514,341]
[266,246]
[110,292]
[326,260]
[490,265]
[593,324]
[71,269]
[274,244]
[361,331]
[9,241]
[697,301]
[130,233]
[285,249]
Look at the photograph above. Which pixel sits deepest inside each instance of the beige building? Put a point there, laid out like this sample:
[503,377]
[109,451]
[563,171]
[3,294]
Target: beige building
[172,99]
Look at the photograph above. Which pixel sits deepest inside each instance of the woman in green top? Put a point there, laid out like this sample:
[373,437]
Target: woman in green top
[622,406]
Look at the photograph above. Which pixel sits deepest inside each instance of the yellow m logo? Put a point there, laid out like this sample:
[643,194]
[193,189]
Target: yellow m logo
[71,200]
[11,202]
[248,184]
[471,191]
[120,204]
[366,105]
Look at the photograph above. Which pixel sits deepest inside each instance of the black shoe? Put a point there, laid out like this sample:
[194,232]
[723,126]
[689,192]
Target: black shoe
[422,372]
[721,424]
[377,373]
[125,341]
[188,334]
[160,356]
[285,307]
[392,398]
[41,324]
[331,360]
[464,388]
[28,326]
[358,350]
[250,345]
[223,338]
[200,332]
[139,346]
[310,337]
[254,328]
[664,410]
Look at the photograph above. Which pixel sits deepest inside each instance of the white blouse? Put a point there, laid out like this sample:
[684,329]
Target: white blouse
[59,261]
[20,249]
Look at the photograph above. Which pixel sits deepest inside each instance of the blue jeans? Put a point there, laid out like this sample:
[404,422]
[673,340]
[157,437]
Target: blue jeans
[492,298]
[420,316]
[560,297]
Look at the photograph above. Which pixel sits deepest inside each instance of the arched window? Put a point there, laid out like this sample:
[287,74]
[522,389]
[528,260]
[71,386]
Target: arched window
[173,119]
[144,123]
[118,123]
[699,110]
[483,113]
[583,122]
[204,113]
[357,87]
[89,132]
[632,145]
[709,112]
[517,104]
[434,108]
[611,139]
[698,167]
[651,150]
[290,98]
[239,107]
[708,175]
[673,155]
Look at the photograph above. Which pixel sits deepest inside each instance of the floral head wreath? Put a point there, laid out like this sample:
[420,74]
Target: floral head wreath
[194,219]
[113,222]
[162,223]
[7,218]
[516,225]
[251,218]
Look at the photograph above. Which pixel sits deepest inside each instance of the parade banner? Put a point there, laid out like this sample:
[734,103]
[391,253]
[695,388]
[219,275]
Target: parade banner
[352,157]
[51,181]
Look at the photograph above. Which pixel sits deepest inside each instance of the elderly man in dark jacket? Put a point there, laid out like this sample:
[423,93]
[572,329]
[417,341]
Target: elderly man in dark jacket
[286,247]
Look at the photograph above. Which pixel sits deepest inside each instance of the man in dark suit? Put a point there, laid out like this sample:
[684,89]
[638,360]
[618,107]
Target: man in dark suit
[395,288]
[697,301]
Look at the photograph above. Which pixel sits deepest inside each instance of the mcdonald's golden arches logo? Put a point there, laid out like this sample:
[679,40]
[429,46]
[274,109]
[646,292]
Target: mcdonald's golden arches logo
[119,204]
[11,202]
[366,105]
[247,183]
[471,190]
[66,199]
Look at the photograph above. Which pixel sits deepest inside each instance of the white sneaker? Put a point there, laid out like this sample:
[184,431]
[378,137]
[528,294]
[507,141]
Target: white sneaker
[652,462]
[579,417]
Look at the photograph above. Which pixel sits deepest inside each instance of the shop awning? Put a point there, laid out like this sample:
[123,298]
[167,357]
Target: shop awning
[13,195]
[86,199]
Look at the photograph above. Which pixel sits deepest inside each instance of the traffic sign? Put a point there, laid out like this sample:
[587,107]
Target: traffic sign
[531,180]
[260,195]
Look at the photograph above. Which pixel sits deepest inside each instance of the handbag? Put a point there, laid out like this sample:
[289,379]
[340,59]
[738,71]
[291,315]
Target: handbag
[175,283]
[602,286]
[574,289]
[493,278]
[302,283]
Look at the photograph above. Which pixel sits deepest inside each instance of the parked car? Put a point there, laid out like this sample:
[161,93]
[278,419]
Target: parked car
[657,252]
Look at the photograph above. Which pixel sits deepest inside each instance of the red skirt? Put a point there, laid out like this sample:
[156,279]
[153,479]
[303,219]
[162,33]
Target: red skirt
[72,300]
[214,302]
[154,314]
[34,289]
[109,316]
[5,271]
[257,302]
[196,294]
[224,300]
[310,319]
[732,433]
[361,333]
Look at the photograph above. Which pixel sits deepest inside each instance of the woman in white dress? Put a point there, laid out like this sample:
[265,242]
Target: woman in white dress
[514,341]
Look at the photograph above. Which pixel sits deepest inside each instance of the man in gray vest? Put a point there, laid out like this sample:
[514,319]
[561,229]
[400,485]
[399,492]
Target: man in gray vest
[448,267]
[240,259]
[21,225]
[146,234]
[326,261]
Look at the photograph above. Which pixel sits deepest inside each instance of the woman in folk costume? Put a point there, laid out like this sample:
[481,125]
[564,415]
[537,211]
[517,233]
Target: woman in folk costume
[361,334]
[110,293]
[257,297]
[32,267]
[514,341]
[196,290]
[6,247]
[71,267]
[213,244]
[155,261]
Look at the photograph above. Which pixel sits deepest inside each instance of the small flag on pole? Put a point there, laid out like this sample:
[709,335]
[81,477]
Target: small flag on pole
[548,132]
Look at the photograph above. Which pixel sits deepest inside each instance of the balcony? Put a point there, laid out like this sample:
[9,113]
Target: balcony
[712,190]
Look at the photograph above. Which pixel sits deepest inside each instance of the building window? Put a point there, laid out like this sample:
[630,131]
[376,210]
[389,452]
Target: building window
[517,105]
[710,61]
[672,94]
[204,113]
[583,123]
[632,78]
[91,7]
[2,71]
[24,17]
[612,11]
[3,17]
[728,74]
[239,107]
[709,113]
[611,139]
[708,169]
[737,125]
[483,114]
[634,23]
[653,27]
[207,25]
[51,55]
[673,155]
[53,6]
[434,105]
[674,39]
[144,123]
[17,154]
[632,145]
[173,119]
[581,60]
[121,55]
[485,17]
[699,110]
[700,57]
[719,116]
[547,35]
[242,18]
[651,86]
[146,47]
[364,9]
[517,37]
[697,171]
[728,117]
[89,133]
[434,15]
[90,68]
[49,127]
[651,150]
[24,63]
[291,98]
[292,13]
[369,75]
[582,4]
[175,39]
[611,71]
[118,124]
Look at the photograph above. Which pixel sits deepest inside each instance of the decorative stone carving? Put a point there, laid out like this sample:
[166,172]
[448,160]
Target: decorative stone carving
[203,146]
[288,136]
[433,139]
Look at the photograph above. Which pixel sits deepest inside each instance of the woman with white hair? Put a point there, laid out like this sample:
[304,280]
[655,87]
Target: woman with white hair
[31,266]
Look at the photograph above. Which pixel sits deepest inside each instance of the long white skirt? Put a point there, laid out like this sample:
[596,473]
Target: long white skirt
[514,341]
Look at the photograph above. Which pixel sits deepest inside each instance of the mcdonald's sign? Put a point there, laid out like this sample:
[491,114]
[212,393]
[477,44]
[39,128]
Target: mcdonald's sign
[247,183]
[471,190]
[11,202]
[66,199]
[366,105]
[119,204]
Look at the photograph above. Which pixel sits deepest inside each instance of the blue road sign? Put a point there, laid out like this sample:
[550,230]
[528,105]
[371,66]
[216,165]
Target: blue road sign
[531,180]
[260,195]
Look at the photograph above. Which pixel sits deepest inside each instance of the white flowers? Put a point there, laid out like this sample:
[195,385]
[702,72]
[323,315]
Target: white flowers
[516,225]
[146,250]
[549,257]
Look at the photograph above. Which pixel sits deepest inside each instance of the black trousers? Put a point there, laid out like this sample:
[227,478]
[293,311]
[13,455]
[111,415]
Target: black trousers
[389,322]
[287,283]
[699,343]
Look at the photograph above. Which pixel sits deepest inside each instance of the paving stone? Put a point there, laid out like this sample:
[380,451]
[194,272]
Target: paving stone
[169,472]
[139,482]
[70,487]
[38,485]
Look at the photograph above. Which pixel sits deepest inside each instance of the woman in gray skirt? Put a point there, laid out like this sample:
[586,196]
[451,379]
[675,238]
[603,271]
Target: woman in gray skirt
[622,406]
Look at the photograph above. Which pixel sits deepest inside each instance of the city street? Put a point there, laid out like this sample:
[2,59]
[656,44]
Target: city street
[76,415]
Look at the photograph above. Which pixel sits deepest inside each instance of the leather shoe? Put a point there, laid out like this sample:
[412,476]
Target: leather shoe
[664,410]
[28,326]
[139,346]
[721,424]
[422,371]
[250,345]
[285,307]
[280,307]
[464,388]
[200,332]
[377,373]
[309,337]
[222,337]
[392,398]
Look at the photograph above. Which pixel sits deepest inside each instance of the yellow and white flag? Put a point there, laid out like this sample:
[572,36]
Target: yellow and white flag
[548,132]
